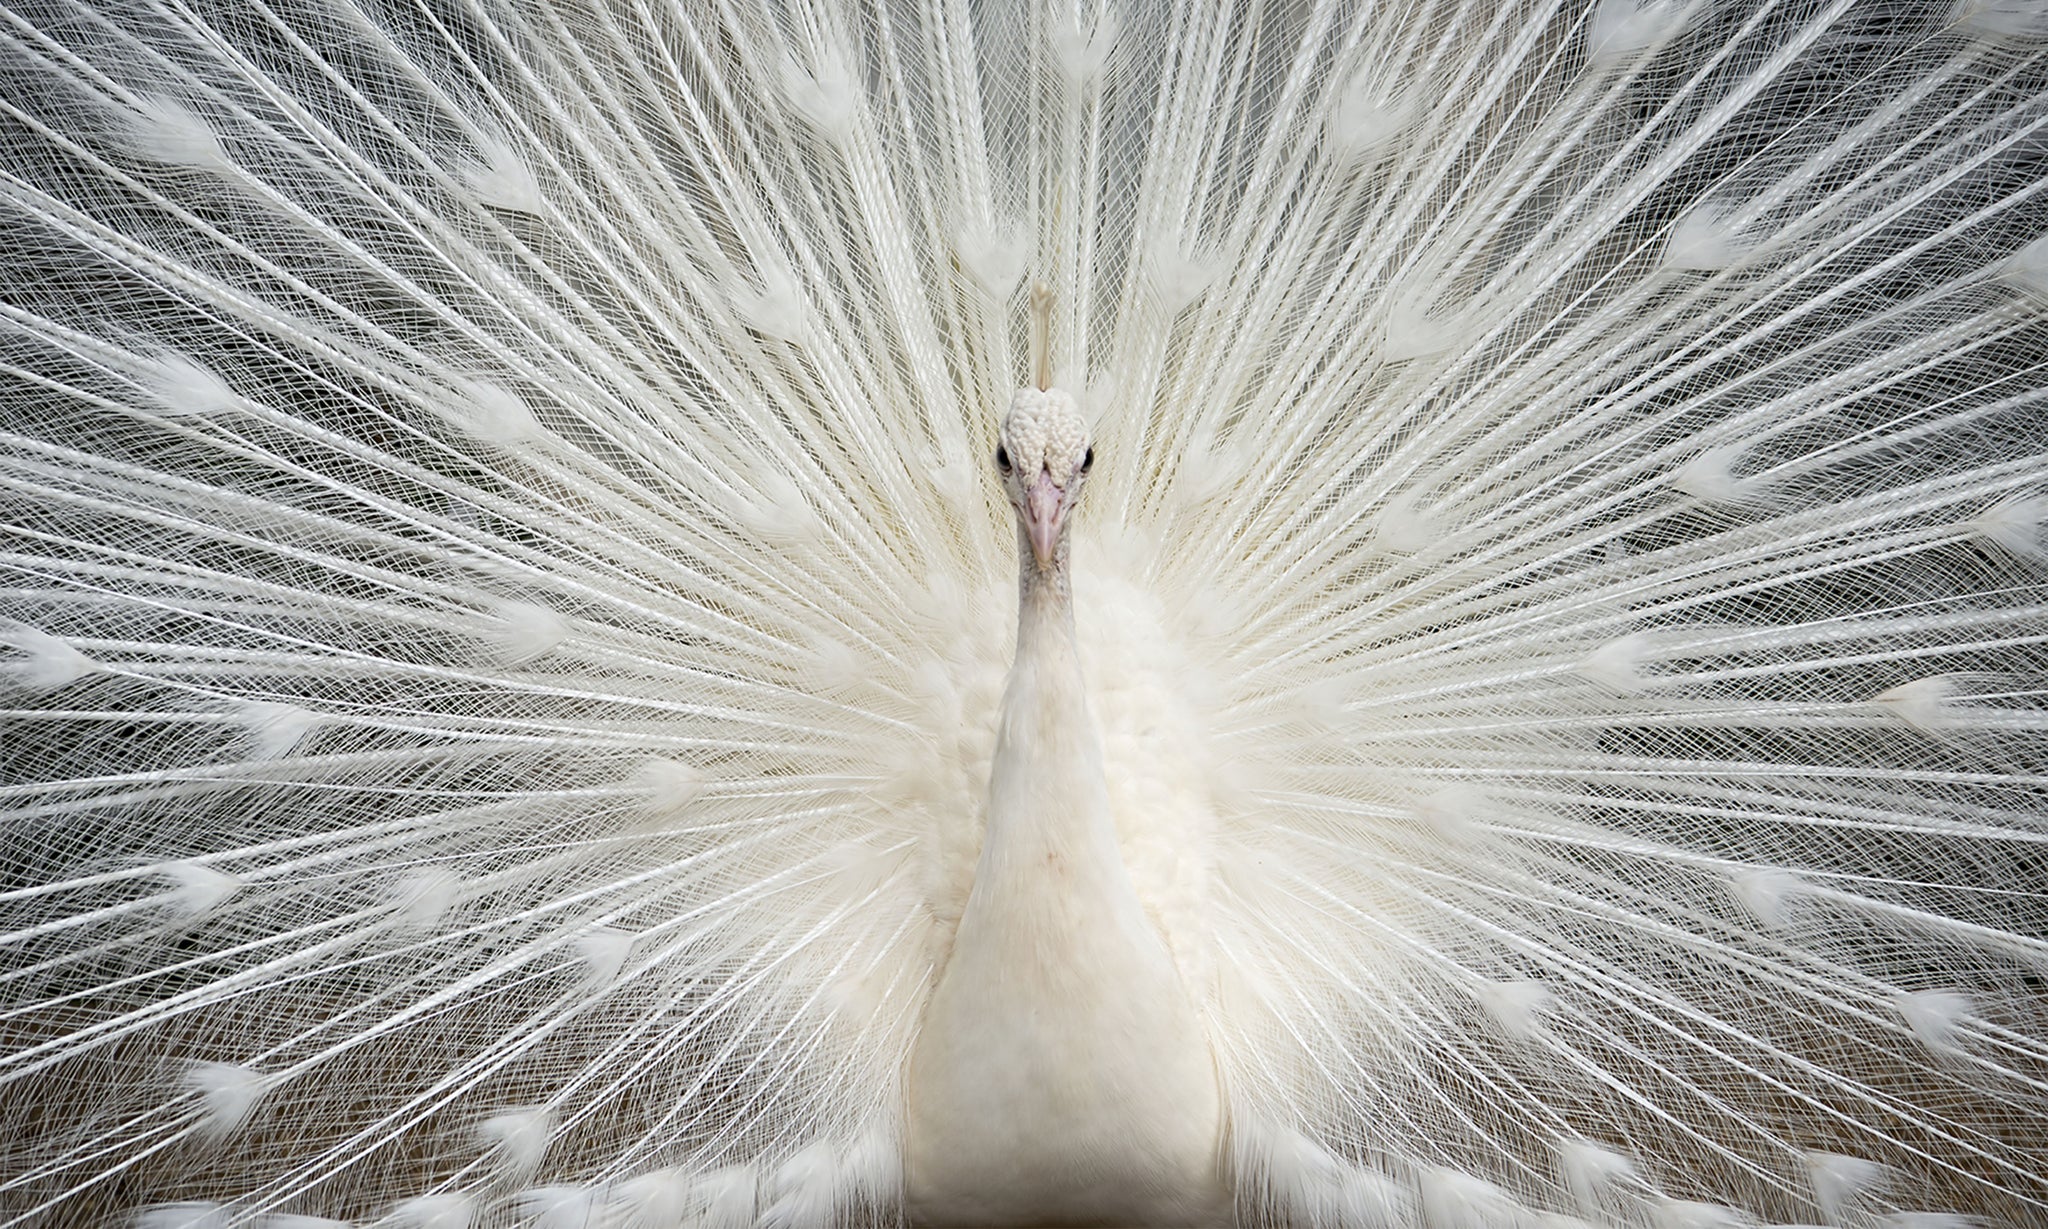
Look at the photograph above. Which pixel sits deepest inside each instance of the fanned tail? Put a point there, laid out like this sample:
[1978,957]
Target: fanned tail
[505,600]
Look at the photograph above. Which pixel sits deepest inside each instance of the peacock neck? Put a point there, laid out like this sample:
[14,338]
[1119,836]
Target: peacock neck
[1061,1075]
[1049,823]
[1045,629]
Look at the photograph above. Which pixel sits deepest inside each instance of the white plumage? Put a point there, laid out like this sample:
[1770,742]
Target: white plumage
[1062,1071]
[515,705]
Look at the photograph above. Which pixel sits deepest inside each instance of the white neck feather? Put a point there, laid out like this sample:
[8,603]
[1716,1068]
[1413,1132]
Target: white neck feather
[1062,1074]
[1050,832]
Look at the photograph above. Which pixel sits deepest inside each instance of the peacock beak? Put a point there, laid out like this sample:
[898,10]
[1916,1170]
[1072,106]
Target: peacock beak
[1045,511]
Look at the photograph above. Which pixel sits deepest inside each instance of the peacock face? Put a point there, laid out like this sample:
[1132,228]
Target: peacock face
[1043,455]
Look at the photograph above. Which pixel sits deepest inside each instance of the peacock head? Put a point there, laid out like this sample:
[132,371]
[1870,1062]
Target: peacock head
[1043,454]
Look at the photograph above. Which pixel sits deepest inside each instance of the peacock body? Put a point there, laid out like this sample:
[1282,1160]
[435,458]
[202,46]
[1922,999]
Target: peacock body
[523,708]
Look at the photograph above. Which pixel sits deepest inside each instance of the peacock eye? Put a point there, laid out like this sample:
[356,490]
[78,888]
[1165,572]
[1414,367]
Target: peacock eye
[1002,458]
[1087,460]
